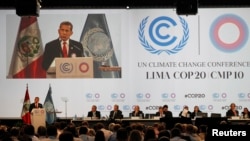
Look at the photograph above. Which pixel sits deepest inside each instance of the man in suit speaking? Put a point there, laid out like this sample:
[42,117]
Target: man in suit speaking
[36,104]
[62,46]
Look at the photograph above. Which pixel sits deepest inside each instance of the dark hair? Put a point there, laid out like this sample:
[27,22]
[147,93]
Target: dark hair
[99,136]
[149,134]
[66,136]
[135,135]
[29,130]
[41,131]
[122,134]
[67,23]
[51,130]
[72,128]
[83,130]
[165,106]
[164,133]
[175,132]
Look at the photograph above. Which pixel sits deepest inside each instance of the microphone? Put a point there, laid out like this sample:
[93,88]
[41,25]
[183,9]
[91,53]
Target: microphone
[76,47]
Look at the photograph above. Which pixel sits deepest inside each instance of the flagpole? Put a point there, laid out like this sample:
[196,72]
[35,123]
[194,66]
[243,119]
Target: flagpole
[66,109]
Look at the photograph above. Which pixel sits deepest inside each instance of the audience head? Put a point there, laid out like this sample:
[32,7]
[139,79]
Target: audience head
[29,130]
[72,128]
[135,135]
[99,136]
[149,133]
[122,134]
[52,131]
[164,133]
[14,131]
[83,130]
[66,136]
[41,131]
[175,132]
[91,132]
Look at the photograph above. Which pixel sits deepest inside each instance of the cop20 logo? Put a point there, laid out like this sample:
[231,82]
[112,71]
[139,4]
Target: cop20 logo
[229,33]
[158,33]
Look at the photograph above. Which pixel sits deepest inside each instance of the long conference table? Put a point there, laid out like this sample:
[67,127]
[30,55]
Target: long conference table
[148,122]
[168,121]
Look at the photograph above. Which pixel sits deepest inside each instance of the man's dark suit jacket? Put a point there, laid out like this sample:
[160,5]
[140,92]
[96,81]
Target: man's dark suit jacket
[33,106]
[53,49]
[168,114]
[133,114]
[230,113]
[97,114]
[118,114]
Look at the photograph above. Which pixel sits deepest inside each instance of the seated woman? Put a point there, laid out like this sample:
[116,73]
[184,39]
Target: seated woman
[137,112]
[196,111]
[245,113]
[185,113]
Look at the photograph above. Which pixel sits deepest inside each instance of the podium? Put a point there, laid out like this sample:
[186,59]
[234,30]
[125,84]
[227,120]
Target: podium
[78,67]
[38,118]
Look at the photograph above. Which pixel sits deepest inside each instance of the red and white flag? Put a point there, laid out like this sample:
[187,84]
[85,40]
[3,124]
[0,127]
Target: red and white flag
[28,52]
[25,110]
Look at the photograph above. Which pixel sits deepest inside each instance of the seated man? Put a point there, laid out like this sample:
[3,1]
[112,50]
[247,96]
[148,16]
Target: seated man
[168,114]
[137,112]
[94,114]
[116,113]
[232,111]
[160,112]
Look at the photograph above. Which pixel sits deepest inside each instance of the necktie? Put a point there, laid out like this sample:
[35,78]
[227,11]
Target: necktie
[65,54]
[114,115]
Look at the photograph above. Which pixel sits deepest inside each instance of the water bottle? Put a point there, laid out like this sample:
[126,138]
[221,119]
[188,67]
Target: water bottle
[140,116]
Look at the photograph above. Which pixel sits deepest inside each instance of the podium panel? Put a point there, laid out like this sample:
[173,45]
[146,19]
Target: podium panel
[79,67]
[38,118]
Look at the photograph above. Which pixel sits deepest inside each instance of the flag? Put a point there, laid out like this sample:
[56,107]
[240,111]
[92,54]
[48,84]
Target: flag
[97,43]
[49,107]
[25,109]
[28,51]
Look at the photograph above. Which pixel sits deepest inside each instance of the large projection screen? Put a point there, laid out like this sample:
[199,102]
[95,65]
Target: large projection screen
[168,59]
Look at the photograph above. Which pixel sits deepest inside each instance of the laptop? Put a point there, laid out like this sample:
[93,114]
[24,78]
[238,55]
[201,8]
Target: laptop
[201,114]
[215,115]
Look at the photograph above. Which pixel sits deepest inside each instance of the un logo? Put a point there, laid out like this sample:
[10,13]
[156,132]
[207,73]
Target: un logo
[158,35]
